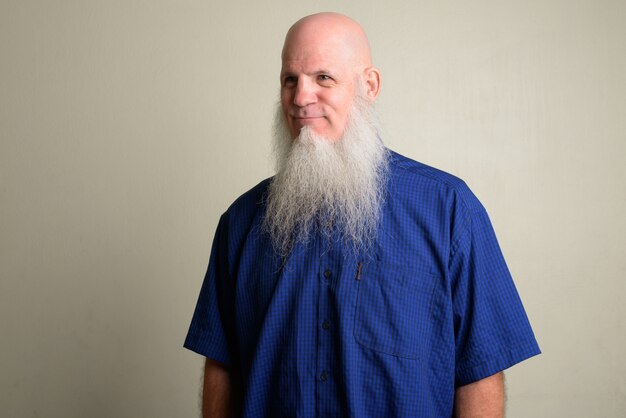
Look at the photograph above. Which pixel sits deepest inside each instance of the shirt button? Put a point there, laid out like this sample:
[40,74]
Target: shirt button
[325,324]
[323,376]
[327,274]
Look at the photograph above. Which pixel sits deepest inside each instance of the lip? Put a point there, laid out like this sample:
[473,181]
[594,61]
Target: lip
[307,117]
[301,121]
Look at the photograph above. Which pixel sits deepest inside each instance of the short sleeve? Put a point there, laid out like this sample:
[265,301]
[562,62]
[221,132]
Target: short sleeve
[208,333]
[492,331]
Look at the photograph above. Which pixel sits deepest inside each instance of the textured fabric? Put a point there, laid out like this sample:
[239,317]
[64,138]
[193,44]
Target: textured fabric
[391,333]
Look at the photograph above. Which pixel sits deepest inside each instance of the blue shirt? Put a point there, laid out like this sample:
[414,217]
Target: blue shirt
[391,333]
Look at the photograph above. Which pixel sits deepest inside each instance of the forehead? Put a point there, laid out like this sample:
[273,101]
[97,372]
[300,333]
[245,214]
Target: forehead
[310,64]
[305,52]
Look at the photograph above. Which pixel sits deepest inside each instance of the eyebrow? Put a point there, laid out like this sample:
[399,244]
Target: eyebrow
[316,72]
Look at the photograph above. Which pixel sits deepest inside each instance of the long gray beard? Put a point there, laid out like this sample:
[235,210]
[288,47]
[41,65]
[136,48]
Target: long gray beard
[321,183]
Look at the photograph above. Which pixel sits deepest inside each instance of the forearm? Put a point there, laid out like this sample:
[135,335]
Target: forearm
[216,391]
[481,399]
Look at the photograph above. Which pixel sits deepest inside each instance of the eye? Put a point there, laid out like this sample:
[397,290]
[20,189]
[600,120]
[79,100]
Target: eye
[325,80]
[290,81]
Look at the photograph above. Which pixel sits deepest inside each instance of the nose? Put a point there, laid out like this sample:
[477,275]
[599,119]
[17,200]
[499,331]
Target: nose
[305,93]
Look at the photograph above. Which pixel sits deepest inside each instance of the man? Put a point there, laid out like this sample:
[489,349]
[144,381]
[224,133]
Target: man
[355,282]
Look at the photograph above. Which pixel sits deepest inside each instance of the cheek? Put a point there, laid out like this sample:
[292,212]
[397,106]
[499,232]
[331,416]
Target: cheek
[342,109]
[285,99]
[342,101]
[284,106]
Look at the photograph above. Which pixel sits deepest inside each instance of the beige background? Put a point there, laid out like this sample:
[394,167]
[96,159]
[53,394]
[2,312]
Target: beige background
[127,127]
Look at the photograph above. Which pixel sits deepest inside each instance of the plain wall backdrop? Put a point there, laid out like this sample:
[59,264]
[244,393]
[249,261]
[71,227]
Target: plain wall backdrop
[128,127]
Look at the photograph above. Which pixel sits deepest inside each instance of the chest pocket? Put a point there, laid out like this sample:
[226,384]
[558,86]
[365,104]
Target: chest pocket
[393,309]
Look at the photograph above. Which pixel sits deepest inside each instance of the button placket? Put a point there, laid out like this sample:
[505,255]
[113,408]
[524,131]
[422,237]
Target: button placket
[328,274]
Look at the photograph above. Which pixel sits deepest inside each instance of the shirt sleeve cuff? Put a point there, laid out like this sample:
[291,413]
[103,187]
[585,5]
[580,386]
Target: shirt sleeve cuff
[504,360]
[205,348]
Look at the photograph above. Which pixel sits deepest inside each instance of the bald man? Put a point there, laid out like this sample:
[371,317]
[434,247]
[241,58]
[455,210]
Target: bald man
[355,282]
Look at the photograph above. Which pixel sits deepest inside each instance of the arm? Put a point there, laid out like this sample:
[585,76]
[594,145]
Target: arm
[216,393]
[484,398]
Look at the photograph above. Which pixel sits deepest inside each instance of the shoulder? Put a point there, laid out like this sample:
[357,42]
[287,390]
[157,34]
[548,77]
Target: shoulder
[248,206]
[250,199]
[410,177]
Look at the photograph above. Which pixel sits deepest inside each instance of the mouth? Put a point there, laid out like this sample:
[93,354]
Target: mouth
[307,117]
[306,120]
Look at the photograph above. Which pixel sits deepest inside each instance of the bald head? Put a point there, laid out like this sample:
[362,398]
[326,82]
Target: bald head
[331,30]
[326,62]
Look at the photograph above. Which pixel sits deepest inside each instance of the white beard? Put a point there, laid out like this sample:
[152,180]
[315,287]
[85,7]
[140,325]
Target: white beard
[320,182]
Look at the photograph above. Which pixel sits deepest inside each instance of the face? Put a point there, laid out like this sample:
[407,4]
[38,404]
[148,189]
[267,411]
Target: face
[317,87]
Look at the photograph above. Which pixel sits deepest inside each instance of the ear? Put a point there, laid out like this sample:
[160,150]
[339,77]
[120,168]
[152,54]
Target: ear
[372,82]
